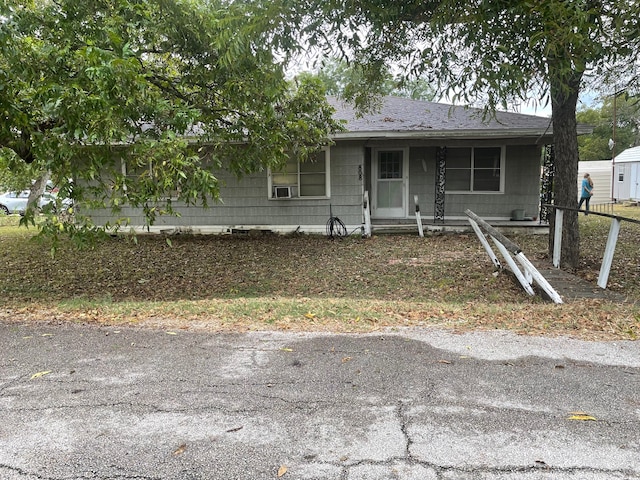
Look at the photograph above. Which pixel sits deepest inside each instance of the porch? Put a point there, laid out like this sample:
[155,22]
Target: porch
[430,227]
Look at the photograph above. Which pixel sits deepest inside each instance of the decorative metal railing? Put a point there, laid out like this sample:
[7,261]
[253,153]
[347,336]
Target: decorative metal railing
[441,170]
[546,185]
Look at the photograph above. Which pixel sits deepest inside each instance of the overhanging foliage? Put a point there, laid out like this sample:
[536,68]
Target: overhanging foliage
[159,83]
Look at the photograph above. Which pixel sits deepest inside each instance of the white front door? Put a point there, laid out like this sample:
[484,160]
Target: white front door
[390,172]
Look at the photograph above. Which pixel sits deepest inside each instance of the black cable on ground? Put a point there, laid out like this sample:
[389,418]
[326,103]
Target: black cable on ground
[336,228]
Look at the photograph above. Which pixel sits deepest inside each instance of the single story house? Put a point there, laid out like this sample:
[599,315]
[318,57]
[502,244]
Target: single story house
[626,175]
[600,172]
[448,158]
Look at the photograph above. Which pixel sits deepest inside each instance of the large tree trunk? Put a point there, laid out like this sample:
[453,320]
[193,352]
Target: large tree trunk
[564,97]
[37,189]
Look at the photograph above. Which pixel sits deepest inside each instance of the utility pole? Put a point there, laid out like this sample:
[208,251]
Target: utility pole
[613,147]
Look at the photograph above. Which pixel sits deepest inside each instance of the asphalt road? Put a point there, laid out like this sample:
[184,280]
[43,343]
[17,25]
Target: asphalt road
[82,402]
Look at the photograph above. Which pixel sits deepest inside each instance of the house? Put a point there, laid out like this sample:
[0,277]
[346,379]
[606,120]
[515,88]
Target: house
[601,174]
[448,158]
[626,175]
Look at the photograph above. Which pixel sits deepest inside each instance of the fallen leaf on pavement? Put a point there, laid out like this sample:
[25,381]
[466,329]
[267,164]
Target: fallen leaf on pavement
[40,374]
[180,450]
[581,416]
[282,470]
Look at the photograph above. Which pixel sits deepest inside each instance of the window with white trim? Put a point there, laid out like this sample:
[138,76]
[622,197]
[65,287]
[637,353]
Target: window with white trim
[302,179]
[138,174]
[475,169]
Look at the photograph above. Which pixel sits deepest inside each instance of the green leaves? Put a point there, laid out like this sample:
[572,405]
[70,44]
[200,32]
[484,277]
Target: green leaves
[168,88]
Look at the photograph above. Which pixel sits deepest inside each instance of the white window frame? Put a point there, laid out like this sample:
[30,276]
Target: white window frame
[483,192]
[123,169]
[296,187]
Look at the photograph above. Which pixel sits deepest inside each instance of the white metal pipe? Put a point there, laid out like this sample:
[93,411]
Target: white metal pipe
[418,217]
[514,267]
[557,237]
[485,244]
[367,215]
[538,278]
[607,259]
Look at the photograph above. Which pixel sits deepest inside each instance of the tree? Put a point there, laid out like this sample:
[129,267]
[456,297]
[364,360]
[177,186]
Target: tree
[345,80]
[625,114]
[493,52]
[178,89]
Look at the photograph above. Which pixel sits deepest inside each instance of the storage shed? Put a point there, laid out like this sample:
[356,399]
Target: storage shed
[626,175]
[600,172]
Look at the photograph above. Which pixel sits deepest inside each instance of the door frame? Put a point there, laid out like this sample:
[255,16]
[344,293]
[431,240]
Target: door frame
[389,213]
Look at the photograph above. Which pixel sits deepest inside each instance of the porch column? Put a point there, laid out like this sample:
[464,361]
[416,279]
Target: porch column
[441,169]
[546,185]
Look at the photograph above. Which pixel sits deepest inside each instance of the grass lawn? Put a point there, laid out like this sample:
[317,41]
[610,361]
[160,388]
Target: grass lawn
[231,283]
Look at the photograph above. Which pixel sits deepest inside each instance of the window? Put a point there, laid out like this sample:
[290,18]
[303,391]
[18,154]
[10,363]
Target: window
[309,178]
[477,169]
[145,175]
[621,176]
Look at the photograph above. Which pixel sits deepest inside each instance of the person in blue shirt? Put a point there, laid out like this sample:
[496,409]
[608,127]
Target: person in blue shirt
[586,191]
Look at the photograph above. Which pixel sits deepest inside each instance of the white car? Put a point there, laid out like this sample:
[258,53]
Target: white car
[16,202]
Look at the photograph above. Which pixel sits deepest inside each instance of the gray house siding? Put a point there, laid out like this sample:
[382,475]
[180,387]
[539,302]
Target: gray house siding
[521,188]
[244,202]
[418,129]
[521,184]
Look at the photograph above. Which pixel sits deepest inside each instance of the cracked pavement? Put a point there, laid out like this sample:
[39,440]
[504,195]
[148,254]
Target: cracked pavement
[84,402]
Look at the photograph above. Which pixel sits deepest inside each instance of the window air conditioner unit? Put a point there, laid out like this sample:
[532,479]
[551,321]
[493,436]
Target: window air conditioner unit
[282,192]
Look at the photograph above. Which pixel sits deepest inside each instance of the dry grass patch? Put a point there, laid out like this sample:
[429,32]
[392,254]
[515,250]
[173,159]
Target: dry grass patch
[301,283]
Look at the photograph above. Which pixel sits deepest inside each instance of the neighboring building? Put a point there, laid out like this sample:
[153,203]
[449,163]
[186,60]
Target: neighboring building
[600,172]
[626,175]
[447,156]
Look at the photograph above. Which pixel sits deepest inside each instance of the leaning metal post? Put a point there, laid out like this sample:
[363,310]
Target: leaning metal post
[367,215]
[418,217]
[557,237]
[485,244]
[514,268]
[607,259]
[507,248]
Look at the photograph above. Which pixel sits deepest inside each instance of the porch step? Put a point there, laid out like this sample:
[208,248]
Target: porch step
[506,228]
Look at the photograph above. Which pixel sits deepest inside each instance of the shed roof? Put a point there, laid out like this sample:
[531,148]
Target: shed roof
[406,118]
[629,155]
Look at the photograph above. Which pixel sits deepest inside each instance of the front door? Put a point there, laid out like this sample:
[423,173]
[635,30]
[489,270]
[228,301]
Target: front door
[390,169]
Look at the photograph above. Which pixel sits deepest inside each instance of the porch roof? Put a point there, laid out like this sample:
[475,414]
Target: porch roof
[413,119]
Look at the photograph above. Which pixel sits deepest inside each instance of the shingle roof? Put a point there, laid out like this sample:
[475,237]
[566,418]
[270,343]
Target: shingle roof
[629,155]
[406,118]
